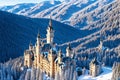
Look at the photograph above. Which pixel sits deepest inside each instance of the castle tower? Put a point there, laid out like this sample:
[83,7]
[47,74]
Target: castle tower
[59,56]
[52,56]
[38,50]
[69,51]
[95,68]
[50,33]
[101,44]
[30,46]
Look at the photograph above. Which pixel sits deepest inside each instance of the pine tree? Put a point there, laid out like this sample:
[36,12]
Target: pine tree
[27,76]
[71,72]
[37,74]
[22,76]
[33,74]
[8,77]
[116,71]
[41,75]
[57,76]
[75,75]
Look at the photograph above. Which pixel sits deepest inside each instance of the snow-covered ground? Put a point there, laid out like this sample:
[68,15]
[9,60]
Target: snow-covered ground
[105,75]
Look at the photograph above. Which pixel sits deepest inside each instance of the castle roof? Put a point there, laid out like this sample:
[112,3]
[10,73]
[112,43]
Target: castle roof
[50,24]
[38,35]
[69,47]
[66,59]
[53,51]
[46,47]
[30,44]
[94,61]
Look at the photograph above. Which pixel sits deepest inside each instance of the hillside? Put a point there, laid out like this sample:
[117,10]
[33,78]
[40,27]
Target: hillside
[18,8]
[28,9]
[77,13]
[107,27]
[16,32]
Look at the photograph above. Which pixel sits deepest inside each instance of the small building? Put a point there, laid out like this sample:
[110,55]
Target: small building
[95,68]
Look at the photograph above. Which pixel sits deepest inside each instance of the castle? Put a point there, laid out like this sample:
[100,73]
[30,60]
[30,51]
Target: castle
[47,57]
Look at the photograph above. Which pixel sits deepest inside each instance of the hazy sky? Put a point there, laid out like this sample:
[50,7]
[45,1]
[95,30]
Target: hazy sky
[12,2]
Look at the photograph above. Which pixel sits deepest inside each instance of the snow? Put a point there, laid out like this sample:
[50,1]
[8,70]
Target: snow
[105,75]
[29,69]
[54,49]
[46,77]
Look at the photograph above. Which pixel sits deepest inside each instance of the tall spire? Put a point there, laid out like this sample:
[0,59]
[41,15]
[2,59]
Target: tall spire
[69,51]
[38,39]
[59,56]
[69,47]
[50,23]
[30,46]
[38,35]
[60,53]
[50,32]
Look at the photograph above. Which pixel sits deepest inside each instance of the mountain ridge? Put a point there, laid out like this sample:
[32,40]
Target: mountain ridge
[77,13]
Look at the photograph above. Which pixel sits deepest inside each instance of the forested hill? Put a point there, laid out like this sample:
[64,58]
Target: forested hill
[16,32]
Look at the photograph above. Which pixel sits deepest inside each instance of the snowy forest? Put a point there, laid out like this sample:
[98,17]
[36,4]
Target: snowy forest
[14,70]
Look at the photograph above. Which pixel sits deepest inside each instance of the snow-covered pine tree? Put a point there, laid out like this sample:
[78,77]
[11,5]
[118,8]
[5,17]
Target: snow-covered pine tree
[57,76]
[33,74]
[27,76]
[116,71]
[75,75]
[41,75]
[37,74]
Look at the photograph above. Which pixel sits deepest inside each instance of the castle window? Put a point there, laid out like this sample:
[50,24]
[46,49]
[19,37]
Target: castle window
[39,59]
[26,62]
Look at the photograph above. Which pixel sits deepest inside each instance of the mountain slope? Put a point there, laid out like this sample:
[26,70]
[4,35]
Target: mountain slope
[18,8]
[77,13]
[109,28]
[16,32]
[38,8]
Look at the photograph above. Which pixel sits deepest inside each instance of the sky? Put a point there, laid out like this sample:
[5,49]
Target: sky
[13,2]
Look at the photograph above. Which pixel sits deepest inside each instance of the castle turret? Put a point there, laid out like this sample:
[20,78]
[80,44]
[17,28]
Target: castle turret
[52,55]
[38,49]
[59,56]
[38,40]
[50,33]
[30,46]
[69,51]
